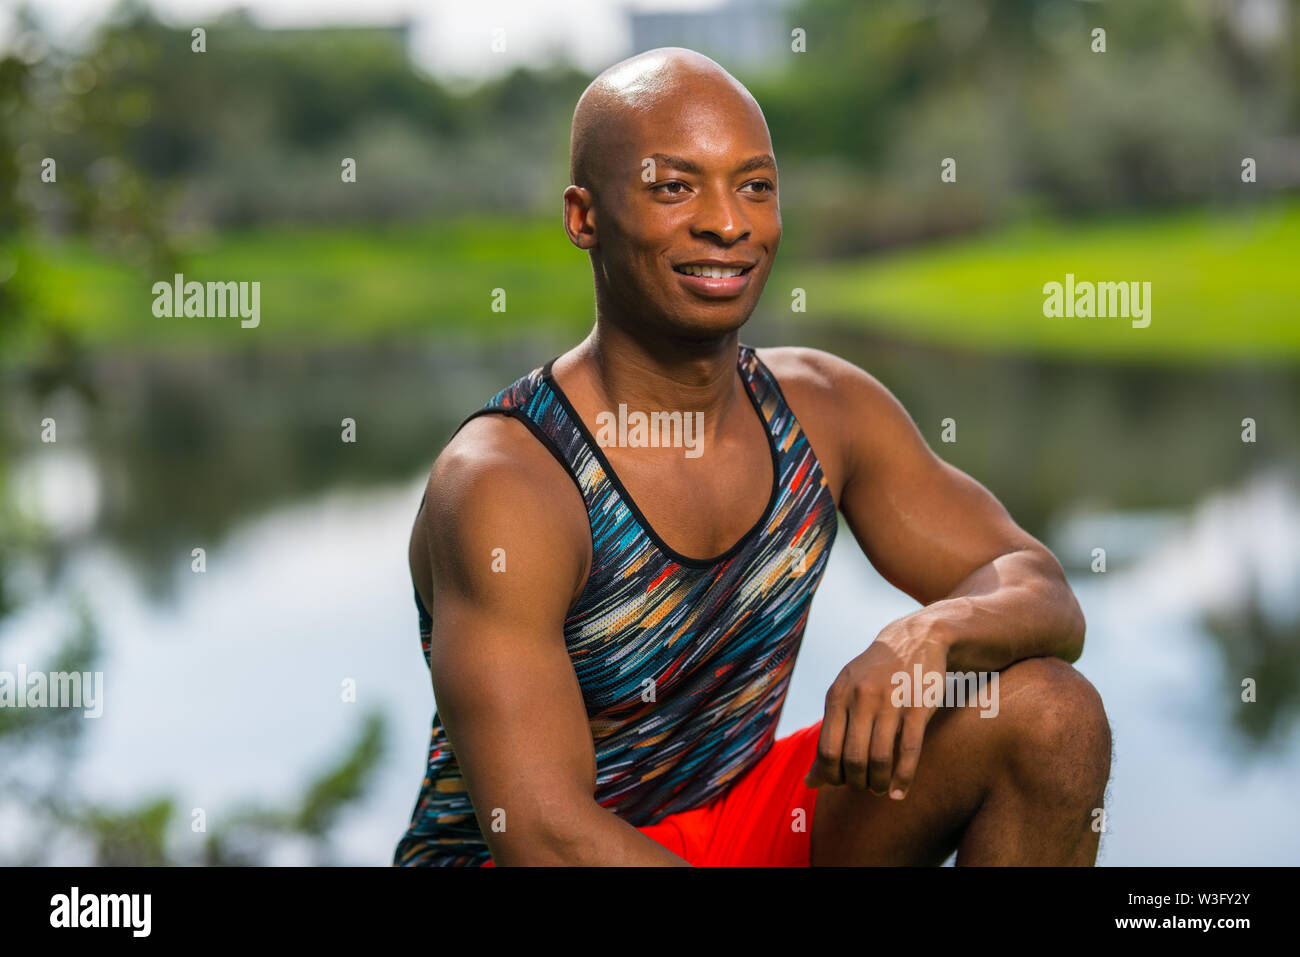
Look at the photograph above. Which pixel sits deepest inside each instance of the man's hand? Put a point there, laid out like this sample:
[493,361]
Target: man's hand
[864,717]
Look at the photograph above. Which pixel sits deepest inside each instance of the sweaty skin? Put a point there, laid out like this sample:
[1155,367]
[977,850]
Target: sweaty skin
[672,163]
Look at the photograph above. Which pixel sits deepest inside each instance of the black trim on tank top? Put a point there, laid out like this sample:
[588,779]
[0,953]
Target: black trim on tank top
[817,462]
[518,413]
[419,602]
[522,416]
[653,535]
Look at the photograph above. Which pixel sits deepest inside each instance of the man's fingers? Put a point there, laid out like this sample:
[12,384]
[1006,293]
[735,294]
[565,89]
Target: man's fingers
[909,751]
[881,760]
[826,767]
[857,748]
[813,778]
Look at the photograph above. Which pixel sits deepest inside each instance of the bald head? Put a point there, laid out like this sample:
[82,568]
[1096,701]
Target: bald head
[672,168]
[625,99]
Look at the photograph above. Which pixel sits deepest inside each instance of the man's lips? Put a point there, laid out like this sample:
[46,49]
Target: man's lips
[720,280]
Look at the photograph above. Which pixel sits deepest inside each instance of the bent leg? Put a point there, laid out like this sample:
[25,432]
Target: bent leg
[1021,787]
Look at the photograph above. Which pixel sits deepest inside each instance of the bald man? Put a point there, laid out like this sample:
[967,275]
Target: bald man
[615,557]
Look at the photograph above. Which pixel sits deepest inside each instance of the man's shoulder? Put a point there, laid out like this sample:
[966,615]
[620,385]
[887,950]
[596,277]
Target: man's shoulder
[497,458]
[832,398]
[825,384]
[815,371]
[495,486]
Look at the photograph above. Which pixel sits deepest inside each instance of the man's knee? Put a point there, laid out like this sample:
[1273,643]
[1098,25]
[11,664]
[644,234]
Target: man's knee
[1056,730]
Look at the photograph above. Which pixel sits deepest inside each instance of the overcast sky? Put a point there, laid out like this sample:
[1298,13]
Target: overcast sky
[450,37]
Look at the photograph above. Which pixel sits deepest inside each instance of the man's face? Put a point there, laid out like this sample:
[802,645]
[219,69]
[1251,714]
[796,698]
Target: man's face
[687,218]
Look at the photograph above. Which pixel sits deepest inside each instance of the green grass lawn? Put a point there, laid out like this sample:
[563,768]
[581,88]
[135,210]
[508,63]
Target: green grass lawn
[1222,286]
[333,286]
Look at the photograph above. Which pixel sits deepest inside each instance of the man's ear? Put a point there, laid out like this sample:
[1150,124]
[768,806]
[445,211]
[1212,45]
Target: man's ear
[580,216]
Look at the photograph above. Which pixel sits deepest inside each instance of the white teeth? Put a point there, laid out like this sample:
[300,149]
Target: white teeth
[711,272]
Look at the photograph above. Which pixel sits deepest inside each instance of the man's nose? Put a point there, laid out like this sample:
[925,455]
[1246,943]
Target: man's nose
[719,214]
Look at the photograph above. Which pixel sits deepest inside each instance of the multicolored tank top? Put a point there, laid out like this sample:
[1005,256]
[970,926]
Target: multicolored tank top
[684,663]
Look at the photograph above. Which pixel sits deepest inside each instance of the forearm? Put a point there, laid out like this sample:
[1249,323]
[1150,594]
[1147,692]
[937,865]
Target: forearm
[590,836]
[1016,606]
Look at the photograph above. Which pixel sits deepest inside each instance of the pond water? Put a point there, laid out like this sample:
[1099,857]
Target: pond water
[225,687]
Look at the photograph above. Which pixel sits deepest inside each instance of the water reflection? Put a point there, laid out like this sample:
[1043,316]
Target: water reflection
[188,449]
[307,583]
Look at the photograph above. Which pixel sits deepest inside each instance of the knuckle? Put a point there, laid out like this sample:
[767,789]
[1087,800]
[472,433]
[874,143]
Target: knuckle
[864,692]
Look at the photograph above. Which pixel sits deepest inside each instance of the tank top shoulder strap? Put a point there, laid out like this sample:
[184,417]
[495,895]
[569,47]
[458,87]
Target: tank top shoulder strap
[770,400]
[531,400]
[526,399]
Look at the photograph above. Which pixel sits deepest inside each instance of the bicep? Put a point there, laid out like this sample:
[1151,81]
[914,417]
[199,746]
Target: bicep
[924,524]
[504,684]
[513,711]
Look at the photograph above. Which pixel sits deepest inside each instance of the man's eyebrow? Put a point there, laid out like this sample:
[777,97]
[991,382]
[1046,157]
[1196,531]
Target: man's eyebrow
[761,161]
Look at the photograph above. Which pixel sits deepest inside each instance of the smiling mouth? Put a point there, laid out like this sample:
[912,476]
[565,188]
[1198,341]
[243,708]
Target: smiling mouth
[713,272]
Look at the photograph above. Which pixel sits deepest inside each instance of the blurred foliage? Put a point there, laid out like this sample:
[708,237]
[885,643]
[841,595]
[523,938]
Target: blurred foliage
[227,162]
[1038,122]
[1265,647]
[244,836]
[146,834]
[254,129]
[112,203]
[136,837]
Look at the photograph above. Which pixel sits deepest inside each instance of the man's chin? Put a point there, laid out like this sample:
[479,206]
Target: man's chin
[709,326]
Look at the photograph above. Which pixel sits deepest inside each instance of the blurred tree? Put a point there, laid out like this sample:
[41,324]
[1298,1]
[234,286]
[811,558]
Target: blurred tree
[103,194]
[1262,644]
[1013,90]
[254,129]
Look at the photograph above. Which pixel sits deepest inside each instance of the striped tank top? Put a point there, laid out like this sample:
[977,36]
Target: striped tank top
[683,663]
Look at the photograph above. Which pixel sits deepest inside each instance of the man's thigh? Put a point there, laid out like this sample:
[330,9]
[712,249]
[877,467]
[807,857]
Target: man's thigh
[963,754]
[859,827]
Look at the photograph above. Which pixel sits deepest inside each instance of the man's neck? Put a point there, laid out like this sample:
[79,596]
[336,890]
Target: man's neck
[665,374]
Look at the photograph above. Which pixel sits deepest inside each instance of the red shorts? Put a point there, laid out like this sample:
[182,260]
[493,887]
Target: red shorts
[764,819]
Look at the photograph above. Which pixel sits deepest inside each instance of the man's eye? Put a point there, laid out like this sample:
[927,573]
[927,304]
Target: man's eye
[763,185]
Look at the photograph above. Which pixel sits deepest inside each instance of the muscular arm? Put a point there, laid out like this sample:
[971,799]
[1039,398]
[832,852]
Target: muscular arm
[506,690]
[992,593]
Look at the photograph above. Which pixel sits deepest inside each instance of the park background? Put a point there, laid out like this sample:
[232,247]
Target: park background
[222,690]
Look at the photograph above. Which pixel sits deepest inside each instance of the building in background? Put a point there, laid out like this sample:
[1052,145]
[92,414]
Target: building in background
[739,34]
